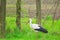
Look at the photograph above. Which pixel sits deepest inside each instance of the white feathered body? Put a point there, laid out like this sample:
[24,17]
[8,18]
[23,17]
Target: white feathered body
[34,26]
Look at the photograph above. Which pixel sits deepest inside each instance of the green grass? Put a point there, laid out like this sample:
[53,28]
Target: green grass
[27,34]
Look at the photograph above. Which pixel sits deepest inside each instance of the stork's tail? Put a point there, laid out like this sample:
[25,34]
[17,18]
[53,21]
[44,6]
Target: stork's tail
[42,30]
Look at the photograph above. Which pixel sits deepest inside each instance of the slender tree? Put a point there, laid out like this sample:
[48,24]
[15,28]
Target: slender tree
[2,18]
[38,14]
[18,14]
[38,9]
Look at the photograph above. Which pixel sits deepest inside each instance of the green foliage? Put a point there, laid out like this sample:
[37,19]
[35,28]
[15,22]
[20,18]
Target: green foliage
[27,33]
[49,17]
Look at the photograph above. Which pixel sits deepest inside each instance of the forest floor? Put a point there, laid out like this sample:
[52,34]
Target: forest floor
[27,33]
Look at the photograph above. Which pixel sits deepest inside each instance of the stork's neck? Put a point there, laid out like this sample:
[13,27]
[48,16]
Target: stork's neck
[30,22]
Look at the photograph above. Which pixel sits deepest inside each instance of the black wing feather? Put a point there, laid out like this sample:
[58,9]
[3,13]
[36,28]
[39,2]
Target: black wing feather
[42,30]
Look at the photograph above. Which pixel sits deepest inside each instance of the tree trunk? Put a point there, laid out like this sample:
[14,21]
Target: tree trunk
[2,18]
[38,9]
[18,14]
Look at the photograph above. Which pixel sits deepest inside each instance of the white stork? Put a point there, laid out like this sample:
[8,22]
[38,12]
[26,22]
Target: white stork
[37,27]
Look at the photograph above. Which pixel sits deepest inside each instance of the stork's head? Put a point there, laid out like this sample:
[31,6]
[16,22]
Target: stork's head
[30,19]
